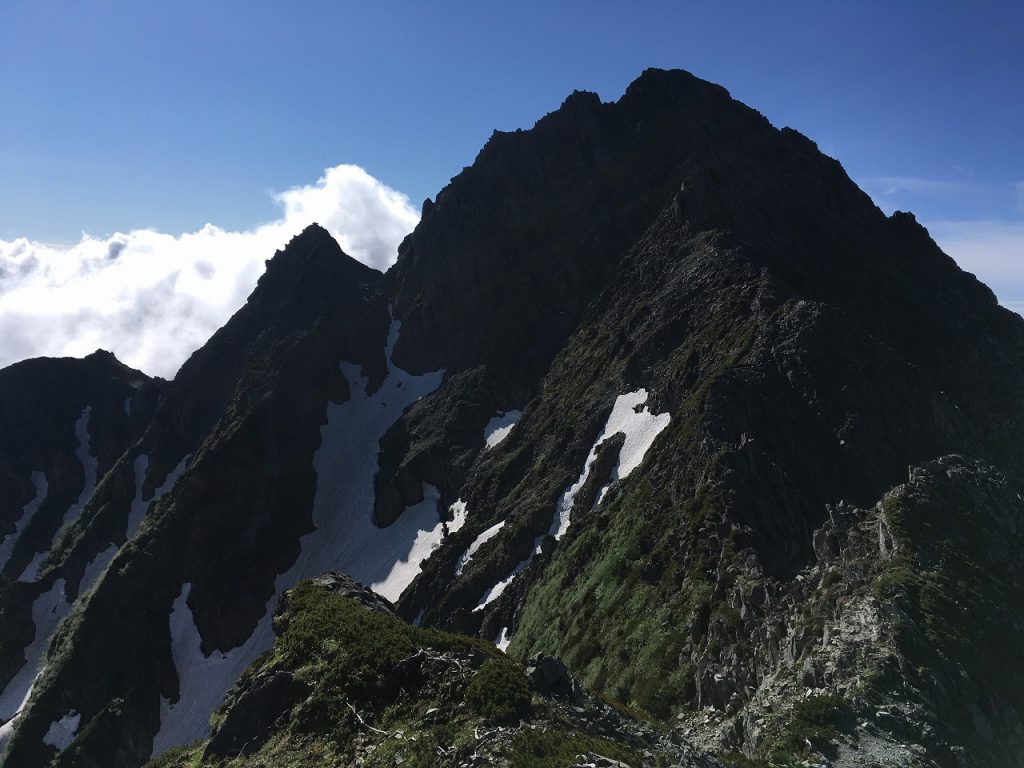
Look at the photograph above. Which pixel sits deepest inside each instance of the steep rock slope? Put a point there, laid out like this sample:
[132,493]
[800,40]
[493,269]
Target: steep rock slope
[63,424]
[348,683]
[56,417]
[606,405]
[897,646]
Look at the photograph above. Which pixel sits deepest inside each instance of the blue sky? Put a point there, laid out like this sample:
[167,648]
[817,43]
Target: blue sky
[172,114]
[122,115]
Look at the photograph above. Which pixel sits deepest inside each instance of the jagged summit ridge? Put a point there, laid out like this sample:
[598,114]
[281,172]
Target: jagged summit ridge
[669,130]
[315,249]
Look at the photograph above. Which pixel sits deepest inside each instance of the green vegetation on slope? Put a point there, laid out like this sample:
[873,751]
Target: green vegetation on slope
[375,692]
[620,598]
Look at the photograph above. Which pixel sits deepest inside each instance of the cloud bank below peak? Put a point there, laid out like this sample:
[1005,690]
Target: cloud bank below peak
[979,223]
[153,298]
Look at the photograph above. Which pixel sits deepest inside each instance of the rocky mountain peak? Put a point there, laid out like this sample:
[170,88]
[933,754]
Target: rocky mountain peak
[580,102]
[101,354]
[640,392]
[518,244]
[312,262]
[657,89]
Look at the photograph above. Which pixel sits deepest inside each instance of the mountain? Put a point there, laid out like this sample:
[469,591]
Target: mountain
[652,388]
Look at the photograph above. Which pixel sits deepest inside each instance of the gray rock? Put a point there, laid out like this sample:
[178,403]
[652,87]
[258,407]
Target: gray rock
[249,719]
[592,760]
[550,677]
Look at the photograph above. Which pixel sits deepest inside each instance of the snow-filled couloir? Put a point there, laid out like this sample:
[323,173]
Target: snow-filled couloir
[345,539]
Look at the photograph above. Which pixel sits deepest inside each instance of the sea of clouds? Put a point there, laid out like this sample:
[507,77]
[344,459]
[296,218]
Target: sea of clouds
[153,298]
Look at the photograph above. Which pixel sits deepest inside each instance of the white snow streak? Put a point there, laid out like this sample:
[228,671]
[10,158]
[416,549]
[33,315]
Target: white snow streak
[139,507]
[495,592]
[51,607]
[500,426]
[91,466]
[31,571]
[407,565]
[202,680]
[344,539]
[27,513]
[47,611]
[640,428]
[478,542]
[95,567]
[62,732]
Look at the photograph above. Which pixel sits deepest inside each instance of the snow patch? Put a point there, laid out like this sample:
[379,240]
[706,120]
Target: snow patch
[62,732]
[139,507]
[27,513]
[89,463]
[344,539]
[503,639]
[478,542]
[459,512]
[137,513]
[495,592]
[407,563]
[31,572]
[47,611]
[128,405]
[500,426]
[202,680]
[95,567]
[6,731]
[91,466]
[640,428]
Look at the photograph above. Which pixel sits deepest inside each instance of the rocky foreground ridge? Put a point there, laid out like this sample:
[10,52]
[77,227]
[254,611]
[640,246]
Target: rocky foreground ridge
[652,388]
[350,683]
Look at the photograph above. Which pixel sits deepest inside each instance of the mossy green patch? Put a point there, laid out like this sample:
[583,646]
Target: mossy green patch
[628,590]
[617,602]
[558,748]
[189,756]
[499,691]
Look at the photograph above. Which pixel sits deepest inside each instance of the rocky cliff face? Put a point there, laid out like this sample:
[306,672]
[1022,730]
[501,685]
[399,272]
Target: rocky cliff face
[630,396]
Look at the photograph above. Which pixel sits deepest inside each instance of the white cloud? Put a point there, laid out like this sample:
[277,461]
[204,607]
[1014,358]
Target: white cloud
[992,250]
[938,187]
[153,298]
[893,185]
